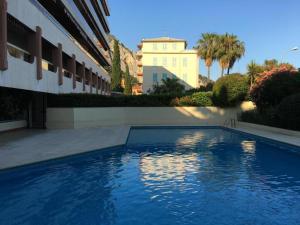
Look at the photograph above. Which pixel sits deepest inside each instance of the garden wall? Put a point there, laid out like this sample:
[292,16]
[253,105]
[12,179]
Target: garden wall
[110,116]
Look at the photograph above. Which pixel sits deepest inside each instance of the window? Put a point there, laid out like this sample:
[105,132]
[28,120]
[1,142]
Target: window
[185,77]
[165,46]
[154,61]
[164,76]
[154,76]
[174,62]
[185,62]
[154,46]
[165,61]
[174,46]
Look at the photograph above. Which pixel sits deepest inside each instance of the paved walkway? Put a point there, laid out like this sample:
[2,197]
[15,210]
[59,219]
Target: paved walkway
[28,146]
[289,137]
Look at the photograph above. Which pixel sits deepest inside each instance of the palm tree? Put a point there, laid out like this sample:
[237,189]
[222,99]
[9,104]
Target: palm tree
[270,64]
[221,55]
[237,52]
[230,49]
[253,71]
[207,48]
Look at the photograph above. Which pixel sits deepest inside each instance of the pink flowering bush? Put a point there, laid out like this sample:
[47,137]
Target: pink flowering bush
[271,86]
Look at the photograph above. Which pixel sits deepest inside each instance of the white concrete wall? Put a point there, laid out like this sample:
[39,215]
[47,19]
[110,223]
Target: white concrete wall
[22,75]
[12,125]
[97,117]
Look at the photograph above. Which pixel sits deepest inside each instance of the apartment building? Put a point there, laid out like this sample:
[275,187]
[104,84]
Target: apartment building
[165,57]
[57,47]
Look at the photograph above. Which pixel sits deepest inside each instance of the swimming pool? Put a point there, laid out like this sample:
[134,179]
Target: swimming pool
[162,176]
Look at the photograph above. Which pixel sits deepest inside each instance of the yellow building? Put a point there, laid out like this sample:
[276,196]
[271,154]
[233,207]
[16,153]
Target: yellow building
[161,58]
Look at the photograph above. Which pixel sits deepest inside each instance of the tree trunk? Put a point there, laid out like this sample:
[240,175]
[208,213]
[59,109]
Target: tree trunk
[222,72]
[228,70]
[208,72]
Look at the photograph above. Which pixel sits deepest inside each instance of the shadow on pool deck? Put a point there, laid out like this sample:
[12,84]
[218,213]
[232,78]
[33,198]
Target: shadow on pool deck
[28,146]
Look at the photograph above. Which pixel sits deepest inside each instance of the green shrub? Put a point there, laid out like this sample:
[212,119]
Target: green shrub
[202,99]
[13,103]
[91,100]
[230,90]
[288,112]
[273,86]
[196,99]
[206,88]
[268,117]
[186,101]
[170,87]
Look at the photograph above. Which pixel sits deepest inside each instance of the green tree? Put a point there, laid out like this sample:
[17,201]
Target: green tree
[270,64]
[116,68]
[230,49]
[207,49]
[128,82]
[169,86]
[253,70]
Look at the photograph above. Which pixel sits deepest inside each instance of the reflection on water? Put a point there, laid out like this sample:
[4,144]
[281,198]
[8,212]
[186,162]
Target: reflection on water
[248,146]
[190,138]
[162,177]
[168,167]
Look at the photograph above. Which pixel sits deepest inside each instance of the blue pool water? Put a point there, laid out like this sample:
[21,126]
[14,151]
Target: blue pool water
[163,176]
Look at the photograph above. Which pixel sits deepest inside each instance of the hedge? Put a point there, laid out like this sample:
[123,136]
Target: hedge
[90,100]
[288,112]
[230,90]
[268,117]
[285,115]
[13,104]
[196,99]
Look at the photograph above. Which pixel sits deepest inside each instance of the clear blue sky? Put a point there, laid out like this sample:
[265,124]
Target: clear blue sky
[269,28]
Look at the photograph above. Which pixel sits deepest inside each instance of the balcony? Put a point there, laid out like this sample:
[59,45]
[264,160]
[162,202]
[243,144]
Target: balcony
[139,54]
[140,46]
[139,64]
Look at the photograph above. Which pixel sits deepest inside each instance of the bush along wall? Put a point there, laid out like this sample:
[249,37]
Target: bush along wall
[230,90]
[196,99]
[90,100]
[13,104]
[276,93]
[288,112]
[273,86]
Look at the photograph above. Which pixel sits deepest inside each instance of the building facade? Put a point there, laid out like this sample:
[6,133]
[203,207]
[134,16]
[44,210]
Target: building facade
[162,58]
[55,47]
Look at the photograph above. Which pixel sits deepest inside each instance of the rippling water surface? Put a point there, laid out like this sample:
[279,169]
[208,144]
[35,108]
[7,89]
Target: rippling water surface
[162,177]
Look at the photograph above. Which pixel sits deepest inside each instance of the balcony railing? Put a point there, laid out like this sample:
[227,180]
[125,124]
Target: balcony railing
[18,53]
[139,54]
[46,65]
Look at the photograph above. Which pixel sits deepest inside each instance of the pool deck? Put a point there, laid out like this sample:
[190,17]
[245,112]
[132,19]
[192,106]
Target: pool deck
[29,146]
